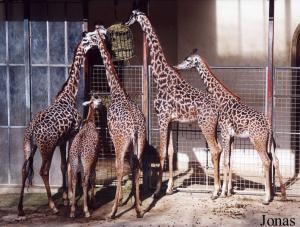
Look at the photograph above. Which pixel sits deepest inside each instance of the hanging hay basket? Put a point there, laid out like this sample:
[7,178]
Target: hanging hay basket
[121,40]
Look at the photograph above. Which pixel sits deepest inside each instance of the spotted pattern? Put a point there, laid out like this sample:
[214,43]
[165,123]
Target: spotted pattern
[126,124]
[236,119]
[177,100]
[51,127]
[83,156]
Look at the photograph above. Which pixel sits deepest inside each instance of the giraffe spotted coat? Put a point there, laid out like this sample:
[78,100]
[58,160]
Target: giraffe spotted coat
[53,126]
[240,120]
[83,156]
[126,124]
[177,100]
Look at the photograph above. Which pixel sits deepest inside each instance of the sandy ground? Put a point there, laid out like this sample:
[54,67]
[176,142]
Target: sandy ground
[179,209]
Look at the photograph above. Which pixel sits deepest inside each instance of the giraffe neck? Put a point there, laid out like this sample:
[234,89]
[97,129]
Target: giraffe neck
[158,60]
[70,88]
[219,91]
[113,80]
[90,115]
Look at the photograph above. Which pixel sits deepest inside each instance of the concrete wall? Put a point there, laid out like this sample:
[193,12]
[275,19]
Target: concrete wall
[227,32]
[163,17]
[235,32]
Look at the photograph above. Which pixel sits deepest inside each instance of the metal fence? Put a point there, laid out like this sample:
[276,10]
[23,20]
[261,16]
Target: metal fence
[194,170]
[287,125]
[192,157]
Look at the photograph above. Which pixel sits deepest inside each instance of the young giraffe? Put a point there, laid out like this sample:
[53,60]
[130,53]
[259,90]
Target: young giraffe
[126,124]
[83,156]
[237,119]
[177,100]
[51,127]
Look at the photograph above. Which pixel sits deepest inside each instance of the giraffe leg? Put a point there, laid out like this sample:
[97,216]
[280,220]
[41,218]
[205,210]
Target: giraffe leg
[229,186]
[85,184]
[261,146]
[120,201]
[63,167]
[92,185]
[73,177]
[215,157]
[171,171]
[26,169]
[69,182]
[162,157]
[226,150]
[120,153]
[137,161]
[44,172]
[276,164]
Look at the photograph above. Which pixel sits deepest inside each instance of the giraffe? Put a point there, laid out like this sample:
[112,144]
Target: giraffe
[83,156]
[238,119]
[53,126]
[126,124]
[177,100]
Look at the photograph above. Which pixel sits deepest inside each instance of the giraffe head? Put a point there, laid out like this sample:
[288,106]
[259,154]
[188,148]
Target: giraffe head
[136,15]
[94,102]
[90,39]
[191,61]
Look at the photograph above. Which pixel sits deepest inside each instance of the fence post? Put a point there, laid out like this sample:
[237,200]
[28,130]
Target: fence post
[270,76]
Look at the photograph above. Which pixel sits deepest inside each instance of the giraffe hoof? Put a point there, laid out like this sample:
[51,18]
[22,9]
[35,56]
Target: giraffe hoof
[110,217]
[55,210]
[87,214]
[157,195]
[214,197]
[266,202]
[283,198]
[21,213]
[72,215]
[169,192]
[223,195]
[139,215]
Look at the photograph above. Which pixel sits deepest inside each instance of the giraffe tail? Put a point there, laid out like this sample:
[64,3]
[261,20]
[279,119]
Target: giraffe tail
[29,151]
[30,171]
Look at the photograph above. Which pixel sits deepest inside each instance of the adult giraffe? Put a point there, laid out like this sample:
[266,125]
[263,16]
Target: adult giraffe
[239,120]
[51,127]
[126,123]
[177,100]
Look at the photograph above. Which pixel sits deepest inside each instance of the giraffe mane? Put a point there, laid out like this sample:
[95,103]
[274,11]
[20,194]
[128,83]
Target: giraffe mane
[67,81]
[217,79]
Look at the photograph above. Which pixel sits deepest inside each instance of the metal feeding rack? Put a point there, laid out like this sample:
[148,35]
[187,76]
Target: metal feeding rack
[121,40]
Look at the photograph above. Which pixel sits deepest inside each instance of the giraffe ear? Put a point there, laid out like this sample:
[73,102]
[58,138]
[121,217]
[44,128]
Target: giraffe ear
[86,103]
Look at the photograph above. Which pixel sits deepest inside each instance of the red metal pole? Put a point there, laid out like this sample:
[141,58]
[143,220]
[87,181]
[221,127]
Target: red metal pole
[145,77]
[270,79]
[270,76]
[146,102]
